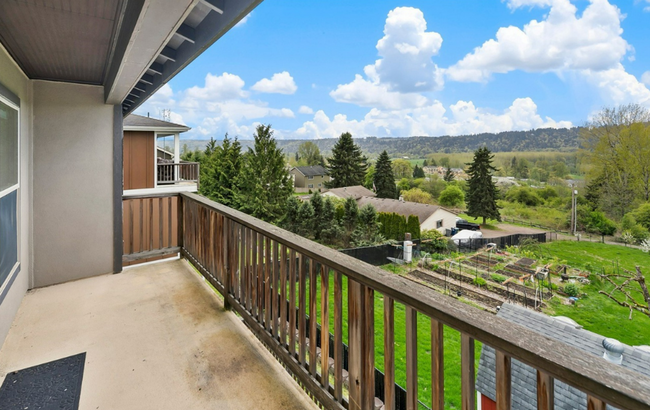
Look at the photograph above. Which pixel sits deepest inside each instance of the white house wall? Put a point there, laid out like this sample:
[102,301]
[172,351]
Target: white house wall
[73,182]
[448,221]
[13,79]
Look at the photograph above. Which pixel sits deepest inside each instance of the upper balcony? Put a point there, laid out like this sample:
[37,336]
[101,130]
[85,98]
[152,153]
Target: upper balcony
[351,333]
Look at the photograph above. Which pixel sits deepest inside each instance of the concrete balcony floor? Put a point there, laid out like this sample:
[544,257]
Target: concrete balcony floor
[155,337]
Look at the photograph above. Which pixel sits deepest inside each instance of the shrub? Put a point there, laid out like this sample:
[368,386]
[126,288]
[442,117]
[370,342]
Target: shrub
[479,282]
[438,243]
[451,196]
[524,195]
[498,278]
[571,289]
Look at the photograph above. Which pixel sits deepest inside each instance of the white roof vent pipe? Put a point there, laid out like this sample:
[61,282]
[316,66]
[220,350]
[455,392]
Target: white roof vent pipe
[613,350]
[401,199]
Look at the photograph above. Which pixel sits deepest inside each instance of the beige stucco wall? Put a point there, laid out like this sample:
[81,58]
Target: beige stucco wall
[12,78]
[448,221]
[301,181]
[73,171]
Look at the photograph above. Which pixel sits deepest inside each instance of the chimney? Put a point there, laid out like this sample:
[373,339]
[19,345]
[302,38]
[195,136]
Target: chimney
[613,350]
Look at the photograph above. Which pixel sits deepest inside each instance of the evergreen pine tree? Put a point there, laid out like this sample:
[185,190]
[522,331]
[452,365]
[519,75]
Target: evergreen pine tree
[331,230]
[482,192]
[425,163]
[220,171]
[413,226]
[367,231]
[305,219]
[347,166]
[291,221]
[418,172]
[384,179]
[318,223]
[264,182]
[449,175]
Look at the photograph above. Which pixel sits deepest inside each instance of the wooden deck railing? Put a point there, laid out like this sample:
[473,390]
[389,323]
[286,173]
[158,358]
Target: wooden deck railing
[278,282]
[172,173]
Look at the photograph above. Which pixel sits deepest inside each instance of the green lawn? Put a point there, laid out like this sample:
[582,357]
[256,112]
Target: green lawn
[596,312]
[451,347]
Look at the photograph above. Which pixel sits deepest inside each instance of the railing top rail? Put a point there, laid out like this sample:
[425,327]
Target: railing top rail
[178,163]
[152,195]
[611,383]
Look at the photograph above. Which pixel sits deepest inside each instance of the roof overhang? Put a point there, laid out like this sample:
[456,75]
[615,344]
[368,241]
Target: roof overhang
[130,47]
[157,129]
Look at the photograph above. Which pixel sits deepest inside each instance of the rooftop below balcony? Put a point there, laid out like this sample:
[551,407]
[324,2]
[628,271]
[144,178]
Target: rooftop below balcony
[156,337]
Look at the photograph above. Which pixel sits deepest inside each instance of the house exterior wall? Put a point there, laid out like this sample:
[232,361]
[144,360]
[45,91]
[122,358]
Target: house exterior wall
[13,290]
[138,157]
[73,182]
[448,221]
[302,181]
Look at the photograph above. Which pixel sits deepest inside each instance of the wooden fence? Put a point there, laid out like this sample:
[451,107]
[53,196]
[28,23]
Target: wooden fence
[271,278]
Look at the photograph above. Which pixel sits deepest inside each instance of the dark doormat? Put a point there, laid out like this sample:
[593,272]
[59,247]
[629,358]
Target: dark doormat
[53,385]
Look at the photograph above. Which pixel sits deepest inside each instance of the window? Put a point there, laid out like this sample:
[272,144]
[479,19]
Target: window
[310,186]
[439,224]
[9,179]
[319,185]
[310,177]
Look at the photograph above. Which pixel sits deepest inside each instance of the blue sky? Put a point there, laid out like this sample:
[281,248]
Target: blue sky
[315,69]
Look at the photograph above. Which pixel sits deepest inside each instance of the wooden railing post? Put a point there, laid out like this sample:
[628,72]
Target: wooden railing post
[468,392]
[545,391]
[504,383]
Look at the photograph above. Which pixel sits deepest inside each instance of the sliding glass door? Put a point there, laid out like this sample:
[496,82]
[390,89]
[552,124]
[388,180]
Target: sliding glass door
[9,185]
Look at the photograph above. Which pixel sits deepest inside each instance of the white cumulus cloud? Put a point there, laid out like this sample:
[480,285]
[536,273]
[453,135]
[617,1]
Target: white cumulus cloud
[404,69]
[431,119]
[280,83]
[305,110]
[564,40]
[218,106]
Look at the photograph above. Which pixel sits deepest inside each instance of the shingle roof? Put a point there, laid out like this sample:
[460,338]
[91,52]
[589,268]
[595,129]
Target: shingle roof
[524,377]
[139,121]
[356,192]
[312,171]
[422,211]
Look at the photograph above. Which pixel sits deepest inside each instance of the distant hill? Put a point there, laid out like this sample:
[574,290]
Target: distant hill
[543,139]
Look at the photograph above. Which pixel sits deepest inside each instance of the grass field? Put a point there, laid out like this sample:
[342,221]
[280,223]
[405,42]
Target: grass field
[451,347]
[596,312]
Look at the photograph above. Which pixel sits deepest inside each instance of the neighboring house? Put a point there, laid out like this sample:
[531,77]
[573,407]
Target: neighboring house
[356,192]
[524,377]
[150,168]
[430,216]
[459,173]
[312,177]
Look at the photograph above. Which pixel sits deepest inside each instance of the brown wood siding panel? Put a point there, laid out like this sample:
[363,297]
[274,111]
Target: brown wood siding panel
[138,159]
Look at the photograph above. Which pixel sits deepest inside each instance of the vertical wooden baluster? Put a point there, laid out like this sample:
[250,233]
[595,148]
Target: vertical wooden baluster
[355,300]
[325,327]
[302,310]
[160,223]
[389,353]
[437,366]
[253,273]
[595,404]
[150,230]
[170,238]
[338,337]
[267,281]
[313,321]
[283,295]
[227,261]
[368,345]
[274,301]
[242,266]
[181,215]
[260,278]
[411,359]
[292,302]
[141,202]
[468,392]
[545,391]
[131,214]
[504,385]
